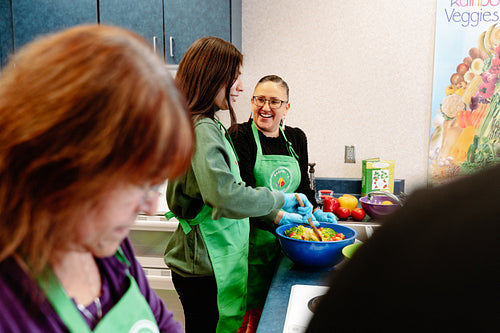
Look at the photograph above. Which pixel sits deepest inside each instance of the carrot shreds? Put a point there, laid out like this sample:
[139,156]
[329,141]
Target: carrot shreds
[479,114]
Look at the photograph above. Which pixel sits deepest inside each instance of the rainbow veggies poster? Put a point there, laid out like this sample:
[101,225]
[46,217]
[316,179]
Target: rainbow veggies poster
[465,120]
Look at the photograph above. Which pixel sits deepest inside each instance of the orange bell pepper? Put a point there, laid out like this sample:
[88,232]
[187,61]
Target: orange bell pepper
[459,150]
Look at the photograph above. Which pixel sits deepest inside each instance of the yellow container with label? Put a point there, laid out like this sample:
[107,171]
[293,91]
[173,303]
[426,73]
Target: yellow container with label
[378,175]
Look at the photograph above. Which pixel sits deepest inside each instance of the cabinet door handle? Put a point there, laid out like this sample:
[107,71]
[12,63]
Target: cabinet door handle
[154,43]
[171,40]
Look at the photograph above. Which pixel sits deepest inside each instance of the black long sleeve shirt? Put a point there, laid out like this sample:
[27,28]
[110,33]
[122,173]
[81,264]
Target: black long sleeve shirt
[246,149]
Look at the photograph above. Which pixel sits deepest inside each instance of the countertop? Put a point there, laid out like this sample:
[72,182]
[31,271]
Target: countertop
[287,275]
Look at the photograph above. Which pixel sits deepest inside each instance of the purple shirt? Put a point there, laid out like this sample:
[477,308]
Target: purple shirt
[24,308]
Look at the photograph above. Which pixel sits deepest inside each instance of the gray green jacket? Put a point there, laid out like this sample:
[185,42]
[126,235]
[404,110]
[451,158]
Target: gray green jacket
[209,181]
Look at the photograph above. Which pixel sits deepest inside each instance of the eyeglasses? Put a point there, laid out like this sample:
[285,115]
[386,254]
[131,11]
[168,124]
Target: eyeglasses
[149,193]
[273,103]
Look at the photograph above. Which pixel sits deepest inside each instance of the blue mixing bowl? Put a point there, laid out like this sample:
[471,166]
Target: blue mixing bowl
[312,255]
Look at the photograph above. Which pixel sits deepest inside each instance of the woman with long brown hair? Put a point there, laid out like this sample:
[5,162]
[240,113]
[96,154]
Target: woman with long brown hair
[208,253]
[91,122]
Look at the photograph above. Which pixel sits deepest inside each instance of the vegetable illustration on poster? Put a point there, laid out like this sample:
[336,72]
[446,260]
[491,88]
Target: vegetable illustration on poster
[465,121]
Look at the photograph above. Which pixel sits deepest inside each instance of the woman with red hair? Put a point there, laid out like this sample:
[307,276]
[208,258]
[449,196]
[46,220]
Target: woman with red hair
[91,123]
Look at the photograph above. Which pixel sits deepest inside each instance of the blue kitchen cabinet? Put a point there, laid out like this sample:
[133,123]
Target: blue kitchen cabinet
[171,26]
[187,21]
[145,17]
[6,36]
[34,18]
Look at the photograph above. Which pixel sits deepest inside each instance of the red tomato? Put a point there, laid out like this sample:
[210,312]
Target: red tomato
[358,214]
[342,213]
[330,204]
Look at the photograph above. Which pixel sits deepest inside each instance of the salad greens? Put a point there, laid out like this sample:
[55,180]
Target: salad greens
[306,233]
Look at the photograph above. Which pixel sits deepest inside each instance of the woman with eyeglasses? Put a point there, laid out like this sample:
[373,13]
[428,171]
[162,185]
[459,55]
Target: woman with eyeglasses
[273,156]
[91,121]
[208,253]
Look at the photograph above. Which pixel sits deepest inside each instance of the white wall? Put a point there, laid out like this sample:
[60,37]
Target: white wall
[359,71]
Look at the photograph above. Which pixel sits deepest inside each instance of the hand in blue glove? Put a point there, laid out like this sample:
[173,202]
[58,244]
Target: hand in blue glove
[294,218]
[316,222]
[290,218]
[324,216]
[292,205]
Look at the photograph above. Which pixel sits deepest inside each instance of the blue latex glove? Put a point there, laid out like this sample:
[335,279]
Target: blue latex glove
[316,222]
[290,218]
[292,205]
[294,218]
[324,216]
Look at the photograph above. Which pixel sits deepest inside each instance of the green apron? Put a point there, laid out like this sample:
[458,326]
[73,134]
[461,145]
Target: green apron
[131,314]
[227,245]
[278,173]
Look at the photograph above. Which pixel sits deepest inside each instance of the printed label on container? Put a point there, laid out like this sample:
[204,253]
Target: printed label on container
[377,176]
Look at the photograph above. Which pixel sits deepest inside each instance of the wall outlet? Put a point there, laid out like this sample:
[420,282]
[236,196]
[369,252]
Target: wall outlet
[350,154]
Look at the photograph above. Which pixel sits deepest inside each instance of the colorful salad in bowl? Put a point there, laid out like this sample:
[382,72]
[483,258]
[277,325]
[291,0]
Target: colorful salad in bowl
[306,233]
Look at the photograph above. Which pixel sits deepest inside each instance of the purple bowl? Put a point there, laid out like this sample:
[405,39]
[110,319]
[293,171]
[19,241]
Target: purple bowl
[374,207]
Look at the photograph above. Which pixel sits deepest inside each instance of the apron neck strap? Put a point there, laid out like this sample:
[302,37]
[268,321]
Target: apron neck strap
[228,137]
[121,256]
[289,147]
[61,302]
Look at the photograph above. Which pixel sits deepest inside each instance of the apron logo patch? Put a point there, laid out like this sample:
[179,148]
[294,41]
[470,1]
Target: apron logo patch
[280,179]
[144,326]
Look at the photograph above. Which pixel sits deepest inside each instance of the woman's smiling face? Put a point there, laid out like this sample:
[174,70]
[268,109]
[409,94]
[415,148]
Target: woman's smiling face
[268,119]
